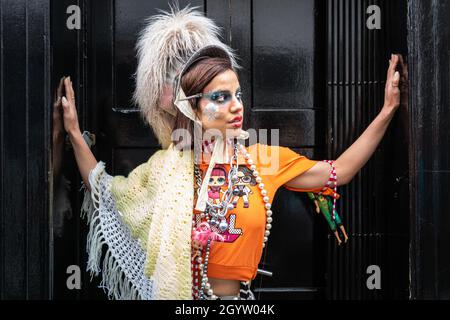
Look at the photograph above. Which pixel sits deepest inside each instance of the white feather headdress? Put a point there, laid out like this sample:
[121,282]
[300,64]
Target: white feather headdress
[164,45]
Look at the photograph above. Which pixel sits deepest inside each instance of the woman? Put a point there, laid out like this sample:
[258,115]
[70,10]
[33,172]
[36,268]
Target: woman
[167,235]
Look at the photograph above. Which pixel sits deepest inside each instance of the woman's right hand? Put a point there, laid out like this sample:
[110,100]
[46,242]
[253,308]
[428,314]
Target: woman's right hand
[70,116]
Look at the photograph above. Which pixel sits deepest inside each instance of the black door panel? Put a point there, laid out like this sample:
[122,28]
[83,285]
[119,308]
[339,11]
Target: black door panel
[310,70]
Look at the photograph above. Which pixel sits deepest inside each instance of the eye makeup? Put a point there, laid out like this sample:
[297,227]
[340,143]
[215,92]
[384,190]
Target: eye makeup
[219,96]
[222,96]
[218,99]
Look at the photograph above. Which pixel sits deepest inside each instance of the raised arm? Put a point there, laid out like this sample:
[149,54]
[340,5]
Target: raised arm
[354,158]
[83,154]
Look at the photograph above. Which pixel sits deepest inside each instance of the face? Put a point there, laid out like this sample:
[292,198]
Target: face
[217,181]
[222,107]
[243,179]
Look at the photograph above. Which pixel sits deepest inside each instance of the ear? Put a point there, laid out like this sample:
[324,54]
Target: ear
[165,100]
[198,110]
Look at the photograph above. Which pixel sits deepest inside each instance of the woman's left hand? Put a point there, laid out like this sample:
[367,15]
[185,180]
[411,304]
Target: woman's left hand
[392,90]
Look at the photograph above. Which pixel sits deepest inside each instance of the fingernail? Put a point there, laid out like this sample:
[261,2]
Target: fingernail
[64,99]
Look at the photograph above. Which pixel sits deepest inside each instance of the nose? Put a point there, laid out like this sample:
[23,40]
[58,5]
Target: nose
[236,105]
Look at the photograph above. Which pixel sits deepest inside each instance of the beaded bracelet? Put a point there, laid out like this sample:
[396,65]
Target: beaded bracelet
[331,183]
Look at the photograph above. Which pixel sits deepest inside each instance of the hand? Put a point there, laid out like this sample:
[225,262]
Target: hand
[58,130]
[392,89]
[70,111]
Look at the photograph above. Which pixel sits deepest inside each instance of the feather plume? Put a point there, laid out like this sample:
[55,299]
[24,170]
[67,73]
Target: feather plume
[164,45]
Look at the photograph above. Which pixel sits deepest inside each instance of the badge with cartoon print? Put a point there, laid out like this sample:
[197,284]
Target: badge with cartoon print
[216,181]
[242,188]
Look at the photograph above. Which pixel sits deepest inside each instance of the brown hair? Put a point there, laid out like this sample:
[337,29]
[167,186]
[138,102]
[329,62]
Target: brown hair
[197,77]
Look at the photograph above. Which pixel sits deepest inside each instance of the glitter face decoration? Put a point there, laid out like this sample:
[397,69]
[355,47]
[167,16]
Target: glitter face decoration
[212,111]
[218,99]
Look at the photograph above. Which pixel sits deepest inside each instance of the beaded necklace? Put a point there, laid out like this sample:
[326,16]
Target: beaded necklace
[213,222]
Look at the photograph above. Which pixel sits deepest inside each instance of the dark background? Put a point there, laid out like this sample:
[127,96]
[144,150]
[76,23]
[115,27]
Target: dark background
[311,69]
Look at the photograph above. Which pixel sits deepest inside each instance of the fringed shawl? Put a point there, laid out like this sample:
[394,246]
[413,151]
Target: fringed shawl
[145,221]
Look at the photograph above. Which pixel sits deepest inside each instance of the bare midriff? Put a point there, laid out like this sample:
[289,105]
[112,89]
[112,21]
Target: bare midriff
[225,287]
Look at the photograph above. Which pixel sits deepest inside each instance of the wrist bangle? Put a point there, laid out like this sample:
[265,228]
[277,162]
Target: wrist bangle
[89,138]
[332,184]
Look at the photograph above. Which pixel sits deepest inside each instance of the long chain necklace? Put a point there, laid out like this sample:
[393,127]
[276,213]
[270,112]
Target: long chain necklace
[212,222]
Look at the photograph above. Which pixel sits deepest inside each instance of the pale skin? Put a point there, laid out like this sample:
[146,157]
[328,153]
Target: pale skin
[85,158]
[347,164]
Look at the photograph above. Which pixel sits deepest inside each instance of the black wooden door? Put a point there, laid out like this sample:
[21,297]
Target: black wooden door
[283,47]
[376,202]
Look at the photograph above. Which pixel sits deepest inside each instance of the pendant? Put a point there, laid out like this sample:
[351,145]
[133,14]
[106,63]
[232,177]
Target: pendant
[223,225]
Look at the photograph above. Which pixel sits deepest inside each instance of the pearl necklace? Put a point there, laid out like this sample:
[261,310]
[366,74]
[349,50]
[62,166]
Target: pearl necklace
[215,216]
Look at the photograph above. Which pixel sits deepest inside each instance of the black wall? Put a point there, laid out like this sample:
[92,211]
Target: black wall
[429,72]
[25,135]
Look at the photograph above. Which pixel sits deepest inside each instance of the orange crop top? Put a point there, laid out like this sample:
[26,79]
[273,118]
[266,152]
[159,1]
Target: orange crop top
[237,258]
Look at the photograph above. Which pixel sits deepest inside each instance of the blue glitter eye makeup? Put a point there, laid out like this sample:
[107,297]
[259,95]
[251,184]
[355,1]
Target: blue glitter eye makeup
[222,96]
[239,95]
[219,96]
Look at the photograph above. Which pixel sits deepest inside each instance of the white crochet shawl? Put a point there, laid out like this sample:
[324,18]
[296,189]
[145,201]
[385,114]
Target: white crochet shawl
[145,221]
